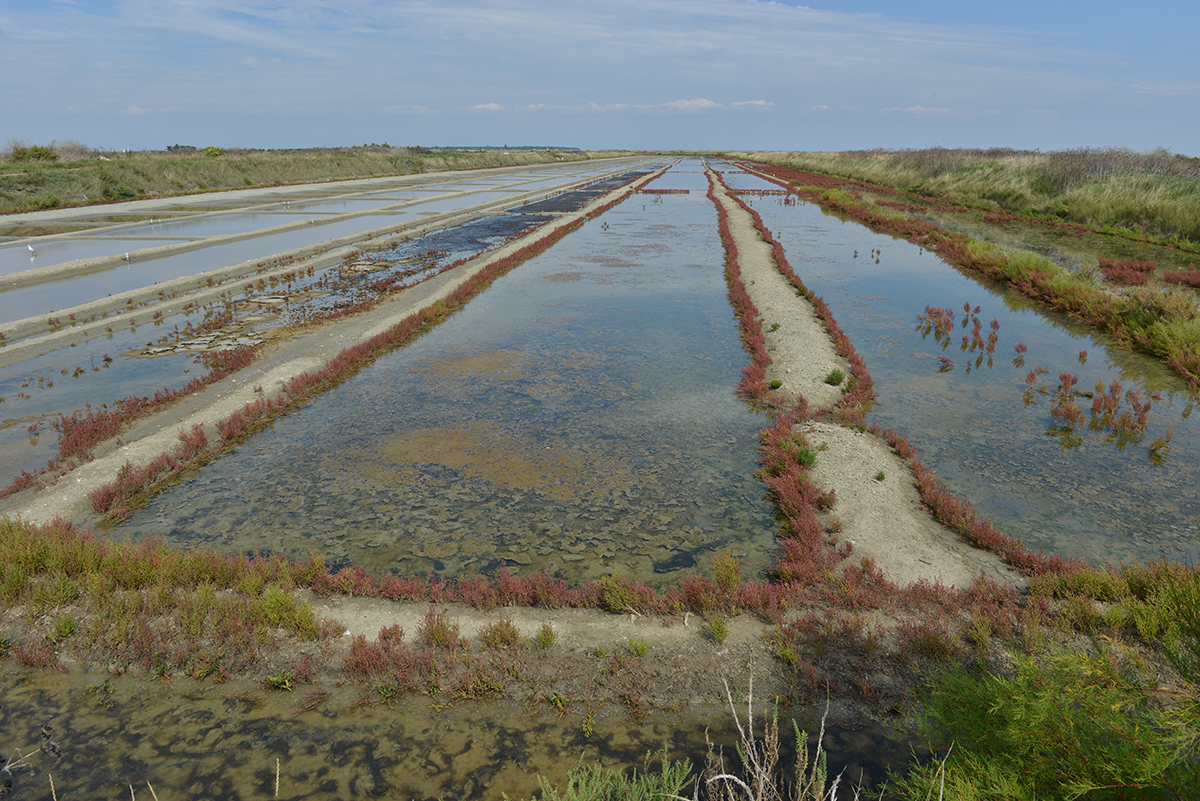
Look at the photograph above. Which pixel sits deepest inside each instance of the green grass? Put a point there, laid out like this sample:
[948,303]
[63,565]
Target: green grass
[596,783]
[82,177]
[1154,193]
[1062,727]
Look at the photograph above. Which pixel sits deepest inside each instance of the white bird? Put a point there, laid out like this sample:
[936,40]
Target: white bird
[32,249]
[126,257]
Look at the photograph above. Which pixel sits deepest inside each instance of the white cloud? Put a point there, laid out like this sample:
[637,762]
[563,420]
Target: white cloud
[135,111]
[691,106]
[756,105]
[818,108]
[486,107]
[1167,89]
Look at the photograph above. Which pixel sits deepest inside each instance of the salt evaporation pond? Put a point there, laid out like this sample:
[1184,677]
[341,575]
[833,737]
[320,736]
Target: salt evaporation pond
[578,416]
[1076,494]
[36,390]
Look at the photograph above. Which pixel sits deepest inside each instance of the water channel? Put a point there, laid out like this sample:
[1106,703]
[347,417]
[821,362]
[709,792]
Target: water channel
[197,740]
[1080,493]
[577,417]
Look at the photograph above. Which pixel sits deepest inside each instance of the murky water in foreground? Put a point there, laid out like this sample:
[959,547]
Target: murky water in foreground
[196,740]
[1080,493]
[578,417]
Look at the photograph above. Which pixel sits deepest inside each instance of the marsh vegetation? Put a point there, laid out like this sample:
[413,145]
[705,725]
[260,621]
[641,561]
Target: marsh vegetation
[981,667]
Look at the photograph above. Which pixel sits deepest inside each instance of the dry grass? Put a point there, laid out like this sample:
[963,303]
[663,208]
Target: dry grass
[1155,193]
[762,777]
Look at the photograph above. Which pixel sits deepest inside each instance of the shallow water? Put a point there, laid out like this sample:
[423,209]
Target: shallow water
[37,390]
[14,258]
[578,416]
[1078,494]
[199,740]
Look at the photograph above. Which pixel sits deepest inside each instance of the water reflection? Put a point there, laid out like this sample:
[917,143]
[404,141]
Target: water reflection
[578,416]
[1081,495]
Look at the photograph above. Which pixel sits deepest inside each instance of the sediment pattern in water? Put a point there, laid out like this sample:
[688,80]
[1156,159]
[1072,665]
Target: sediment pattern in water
[579,417]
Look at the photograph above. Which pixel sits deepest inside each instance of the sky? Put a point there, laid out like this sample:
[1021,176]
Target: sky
[639,74]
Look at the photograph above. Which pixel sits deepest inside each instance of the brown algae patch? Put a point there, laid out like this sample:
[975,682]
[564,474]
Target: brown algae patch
[511,459]
[563,278]
[505,365]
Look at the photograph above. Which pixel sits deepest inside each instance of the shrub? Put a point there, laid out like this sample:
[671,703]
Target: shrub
[437,630]
[835,378]
[498,635]
[728,573]
[545,637]
[1073,725]
[33,153]
[718,628]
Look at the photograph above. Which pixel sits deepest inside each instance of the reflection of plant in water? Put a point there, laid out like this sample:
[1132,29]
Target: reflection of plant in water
[939,322]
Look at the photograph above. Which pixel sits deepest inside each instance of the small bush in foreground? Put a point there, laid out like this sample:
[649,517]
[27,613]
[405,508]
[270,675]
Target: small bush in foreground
[545,636]
[718,628]
[1068,726]
[499,635]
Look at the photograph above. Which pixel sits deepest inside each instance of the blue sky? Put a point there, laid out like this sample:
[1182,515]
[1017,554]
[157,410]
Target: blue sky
[695,74]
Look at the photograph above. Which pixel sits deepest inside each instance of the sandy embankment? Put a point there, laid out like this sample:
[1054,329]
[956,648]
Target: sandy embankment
[304,352]
[884,520]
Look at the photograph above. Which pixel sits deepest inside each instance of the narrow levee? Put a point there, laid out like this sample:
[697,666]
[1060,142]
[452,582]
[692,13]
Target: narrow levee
[512,509]
[576,418]
[1103,468]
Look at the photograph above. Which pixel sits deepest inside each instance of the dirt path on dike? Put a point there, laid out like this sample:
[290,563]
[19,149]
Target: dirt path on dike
[884,520]
[684,665]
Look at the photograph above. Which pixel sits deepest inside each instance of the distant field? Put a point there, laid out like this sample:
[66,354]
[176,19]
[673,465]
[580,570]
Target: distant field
[1155,194]
[44,177]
